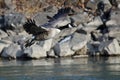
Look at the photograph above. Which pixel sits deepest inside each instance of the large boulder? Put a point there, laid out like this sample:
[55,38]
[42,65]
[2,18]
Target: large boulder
[63,48]
[93,48]
[79,18]
[41,17]
[14,19]
[46,44]
[71,44]
[3,44]
[114,31]
[92,25]
[110,47]
[35,51]
[3,34]
[63,33]
[78,41]
[95,22]
[114,18]
[12,51]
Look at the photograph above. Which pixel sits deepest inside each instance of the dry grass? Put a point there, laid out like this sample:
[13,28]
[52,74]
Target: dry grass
[30,7]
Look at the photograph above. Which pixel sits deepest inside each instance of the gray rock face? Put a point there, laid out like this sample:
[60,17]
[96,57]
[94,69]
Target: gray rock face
[63,49]
[114,19]
[51,8]
[14,19]
[63,33]
[46,44]
[80,18]
[12,51]
[3,34]
[41,18]
[93,25]
[35,51]
[68,45]
[96,35]
[111,47]
[96,22]
[3,45]
[78,41]
[93,48]
[114,31]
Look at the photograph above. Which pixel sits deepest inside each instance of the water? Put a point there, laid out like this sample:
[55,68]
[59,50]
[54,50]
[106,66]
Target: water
[61,69]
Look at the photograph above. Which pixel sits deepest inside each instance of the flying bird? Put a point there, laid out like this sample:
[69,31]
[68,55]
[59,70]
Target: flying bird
[39,33]
[61,19]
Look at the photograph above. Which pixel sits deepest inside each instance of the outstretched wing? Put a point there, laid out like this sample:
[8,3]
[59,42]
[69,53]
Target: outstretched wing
[31,28]
[62,12]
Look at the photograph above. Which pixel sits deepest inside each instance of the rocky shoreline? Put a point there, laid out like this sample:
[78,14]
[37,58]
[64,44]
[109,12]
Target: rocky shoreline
[84,35]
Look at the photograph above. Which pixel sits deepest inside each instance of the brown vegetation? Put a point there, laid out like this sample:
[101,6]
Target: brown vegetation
[29,7]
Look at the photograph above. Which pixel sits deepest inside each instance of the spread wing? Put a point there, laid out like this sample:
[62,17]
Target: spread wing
[62,12]
[31,28]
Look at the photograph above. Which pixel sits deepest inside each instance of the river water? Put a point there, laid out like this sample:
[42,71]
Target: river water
[61,69]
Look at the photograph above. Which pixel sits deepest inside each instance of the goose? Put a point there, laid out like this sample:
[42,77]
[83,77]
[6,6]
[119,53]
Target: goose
[61,19]
[39,33]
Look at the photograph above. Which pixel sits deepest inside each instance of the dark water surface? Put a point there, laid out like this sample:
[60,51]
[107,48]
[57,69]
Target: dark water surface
[61,69]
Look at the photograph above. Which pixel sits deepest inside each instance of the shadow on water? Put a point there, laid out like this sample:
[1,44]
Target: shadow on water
[93,68]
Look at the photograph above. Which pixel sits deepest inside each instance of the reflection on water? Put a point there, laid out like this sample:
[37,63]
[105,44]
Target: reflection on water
[62,69]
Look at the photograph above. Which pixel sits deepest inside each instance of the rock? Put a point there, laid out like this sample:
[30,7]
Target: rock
[82,51]
[51,8]
[46,44]
[119,6]
[10,32]
[114,18]
[93,4]
[96,22]
[41,17]
[35,51]
[78,41]
[51,54]
[110,47]
[63,49]
[2,34]
[93,25]
[10,5]
[96,35]
[114,32]
[93,48]
[80,18]
[63,33]
[3,44]
[12,51]
[14,19]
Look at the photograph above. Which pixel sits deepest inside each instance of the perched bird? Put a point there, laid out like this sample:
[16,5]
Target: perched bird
[39,33]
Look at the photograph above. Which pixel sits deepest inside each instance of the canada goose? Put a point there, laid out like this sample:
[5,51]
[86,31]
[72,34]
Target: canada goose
[61,19]
[39,33]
